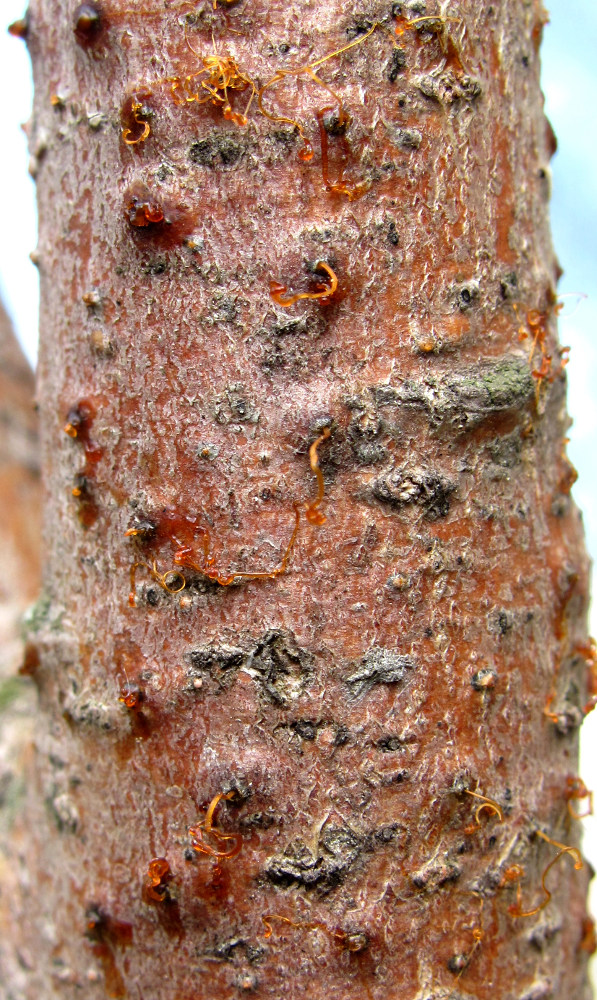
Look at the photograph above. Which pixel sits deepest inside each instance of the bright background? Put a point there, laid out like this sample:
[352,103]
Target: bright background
[569,82]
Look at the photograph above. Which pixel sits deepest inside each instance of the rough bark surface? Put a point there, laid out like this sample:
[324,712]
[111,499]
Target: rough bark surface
[427,640]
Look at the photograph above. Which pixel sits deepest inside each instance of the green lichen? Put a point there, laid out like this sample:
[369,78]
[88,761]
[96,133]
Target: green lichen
[40,616]
[509,383]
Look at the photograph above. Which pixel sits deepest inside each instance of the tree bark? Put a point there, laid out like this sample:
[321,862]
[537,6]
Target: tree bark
[356,747]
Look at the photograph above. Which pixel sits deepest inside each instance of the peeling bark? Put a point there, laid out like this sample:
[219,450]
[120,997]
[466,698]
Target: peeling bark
[341,695]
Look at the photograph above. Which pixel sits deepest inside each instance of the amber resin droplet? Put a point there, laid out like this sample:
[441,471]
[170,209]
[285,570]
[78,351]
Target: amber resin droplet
[143,213]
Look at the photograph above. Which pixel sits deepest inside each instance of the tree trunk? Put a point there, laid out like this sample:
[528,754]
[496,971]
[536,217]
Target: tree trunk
[328,745]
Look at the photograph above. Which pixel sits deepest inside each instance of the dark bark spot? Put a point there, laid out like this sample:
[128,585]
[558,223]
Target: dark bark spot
[223,147]
[467,295]
[435,874]
[542,935]
[380,666]
[506,451]
[395,777]
[404,138]
[360,26]
[569,718]
[389,744]
[484,679]
[396,64]
[449,87]
[234,407]
[500,621]
[220,663]
[305,729]
[335,123]
[458,963]
[202,151]
[509,285]
[259,821]
[282,666]
[400,487]
[364,435]
[393,237]
[342,736]
[155,266]
[338,850]
[388,835]
[225,949]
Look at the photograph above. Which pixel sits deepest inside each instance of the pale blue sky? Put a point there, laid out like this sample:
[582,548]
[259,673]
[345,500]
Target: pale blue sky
[570,83]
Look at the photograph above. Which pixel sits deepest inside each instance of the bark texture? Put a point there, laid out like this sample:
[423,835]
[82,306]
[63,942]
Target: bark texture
[427,640]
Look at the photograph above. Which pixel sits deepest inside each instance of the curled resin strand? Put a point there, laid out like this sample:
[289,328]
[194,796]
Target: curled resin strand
[156,883]
[183,558]
[206,826]
[352,942]
[516,910]
[306,153]
[218,75]
[308,69]
[535,327]
[478,936]
[576,790]
[145,127]
[352,191]
[160,578]
[309,925]
[512,874]
[324,292]
[435,24]
[485,803]
[588,650]
[313,515]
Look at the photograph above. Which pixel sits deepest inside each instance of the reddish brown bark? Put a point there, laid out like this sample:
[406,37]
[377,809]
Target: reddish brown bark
[427,642]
